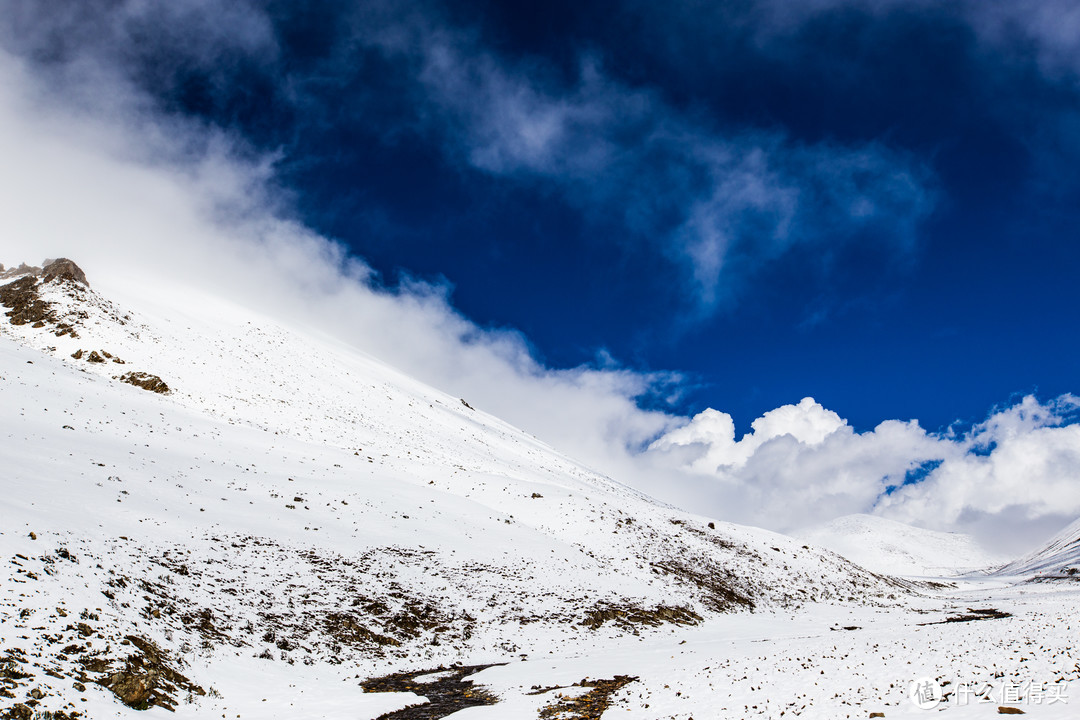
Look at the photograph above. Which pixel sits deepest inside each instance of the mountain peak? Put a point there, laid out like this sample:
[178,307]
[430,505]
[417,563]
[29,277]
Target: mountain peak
[63,269]
[51,269]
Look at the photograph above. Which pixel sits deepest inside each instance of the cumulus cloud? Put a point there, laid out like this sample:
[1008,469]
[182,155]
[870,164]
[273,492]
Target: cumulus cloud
[801,464]
[713,433]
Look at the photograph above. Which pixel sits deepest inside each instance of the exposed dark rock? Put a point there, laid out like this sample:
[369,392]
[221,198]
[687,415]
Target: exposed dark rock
[144,380]
[348,630]
[717,587]
[23,269]
[631,616]
[63,269]
[973,615]
[147,680]
[26,305]
[19,712]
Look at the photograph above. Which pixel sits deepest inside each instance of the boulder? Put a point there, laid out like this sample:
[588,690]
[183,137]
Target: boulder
[63,269]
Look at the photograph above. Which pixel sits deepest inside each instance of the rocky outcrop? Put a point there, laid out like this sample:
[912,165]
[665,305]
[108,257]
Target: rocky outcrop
[63,269]
[23,269]
[22,295]
[147,679]
[145,380]
[27,307]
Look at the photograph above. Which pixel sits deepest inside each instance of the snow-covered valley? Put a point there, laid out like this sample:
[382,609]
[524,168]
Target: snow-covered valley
[292,519]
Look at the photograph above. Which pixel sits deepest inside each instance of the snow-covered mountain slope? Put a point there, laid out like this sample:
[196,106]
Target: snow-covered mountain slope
[1059,557]
[262,523]
[892,547]
[187,480]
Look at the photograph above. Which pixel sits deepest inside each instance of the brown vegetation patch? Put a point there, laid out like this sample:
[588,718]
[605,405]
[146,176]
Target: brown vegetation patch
[349,631]
[591,705]
[629,617]
[146,381]
[717,584]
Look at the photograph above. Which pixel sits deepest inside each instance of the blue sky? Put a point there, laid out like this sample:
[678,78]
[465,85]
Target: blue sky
[667,207]
[871,203]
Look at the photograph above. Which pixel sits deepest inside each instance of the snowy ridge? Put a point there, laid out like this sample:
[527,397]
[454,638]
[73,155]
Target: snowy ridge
[1059,557]
[895,548]
[293,518]
[295,501]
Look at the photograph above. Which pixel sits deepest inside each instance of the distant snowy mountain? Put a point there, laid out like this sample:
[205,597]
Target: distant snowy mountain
[1059,557]
[892,547]
[185,482]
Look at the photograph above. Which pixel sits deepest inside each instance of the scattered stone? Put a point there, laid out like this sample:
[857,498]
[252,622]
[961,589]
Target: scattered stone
[20,712]
[146,381]
[1005,710]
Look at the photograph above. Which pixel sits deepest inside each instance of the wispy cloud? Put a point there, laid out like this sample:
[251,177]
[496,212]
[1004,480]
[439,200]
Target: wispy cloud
[719,203]
[149,193]
[181,208]
[1015,31]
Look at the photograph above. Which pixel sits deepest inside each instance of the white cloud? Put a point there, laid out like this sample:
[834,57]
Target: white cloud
[1047,32]
[184,207]
[1022,459]
[712,433]
[719,204]
[803,464]
[99,176]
